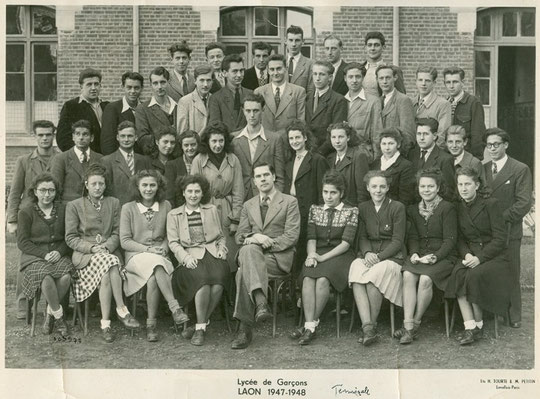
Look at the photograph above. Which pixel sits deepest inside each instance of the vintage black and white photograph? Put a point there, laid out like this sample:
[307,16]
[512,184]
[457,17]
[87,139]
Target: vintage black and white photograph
[270,186]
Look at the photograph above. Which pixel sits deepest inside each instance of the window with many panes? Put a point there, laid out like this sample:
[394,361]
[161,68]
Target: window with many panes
[240,27]
[505,23]
[31,67]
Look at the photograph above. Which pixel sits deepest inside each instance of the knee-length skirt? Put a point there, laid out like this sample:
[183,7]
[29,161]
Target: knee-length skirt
[35,272]
[438,272]
[141,267]
[385,275]
[336,270]
[89,277]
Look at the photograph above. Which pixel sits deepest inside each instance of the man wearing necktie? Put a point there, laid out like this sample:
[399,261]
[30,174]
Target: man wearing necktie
[193,108]
[257,75]
[215,53]
[268,231]
[182,81]
[298,66]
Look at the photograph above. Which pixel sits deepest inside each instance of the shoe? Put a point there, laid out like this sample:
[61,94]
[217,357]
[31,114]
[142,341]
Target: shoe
[399,332]
[188,332]
[179,316]
[107,334]
[62,327]
[515,324]
[48,325]
[467,337]
[21,314]
[151,333]
[370,334]
[262,313]
[478,333]
[306,337]
[129,321]
[243,338]
[198,338]
[406,338]
[296,334]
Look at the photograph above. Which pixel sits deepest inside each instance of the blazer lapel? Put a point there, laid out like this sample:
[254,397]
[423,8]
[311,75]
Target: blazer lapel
[390,106]
[299,70]
[475,210]
[432,157]
[504,174]
[159,114]
[261,147]
[323,101]
[273,209]
[198,103]
[285,100]
[175,84]
[122,165]
[305,166]
[74,163]
[255,211]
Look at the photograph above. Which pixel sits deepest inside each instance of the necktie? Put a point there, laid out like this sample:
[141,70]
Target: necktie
[264,207]
[316,101]
[291,68]
[422,158]
[205,102]
[237,99]
[84,158]
[131,163]
[420,106]
[383,97]
[453,103]
[262,79]
[494,170]
[277,99]
[149,214]
[184,85]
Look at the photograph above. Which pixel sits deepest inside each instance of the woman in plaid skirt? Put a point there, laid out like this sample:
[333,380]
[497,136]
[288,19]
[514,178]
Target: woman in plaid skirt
[45,259]
[92,228]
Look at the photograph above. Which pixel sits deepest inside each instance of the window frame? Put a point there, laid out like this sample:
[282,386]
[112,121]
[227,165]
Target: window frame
[496,34]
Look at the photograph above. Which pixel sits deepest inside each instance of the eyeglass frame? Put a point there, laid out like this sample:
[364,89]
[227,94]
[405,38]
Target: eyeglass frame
[495,145]
[44,191]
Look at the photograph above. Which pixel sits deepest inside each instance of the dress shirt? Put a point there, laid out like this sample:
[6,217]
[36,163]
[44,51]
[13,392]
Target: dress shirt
[172,103]
[386,163]
[270,196]
[126,106]
[125,154]
[190,211]
[80,155]
[361,94]
[295,58]
[96,107]
[459,158]
[388,96]
[253,141]
[281,88]
[500,163]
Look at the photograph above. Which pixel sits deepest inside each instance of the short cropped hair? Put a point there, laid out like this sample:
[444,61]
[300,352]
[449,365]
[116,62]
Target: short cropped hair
[454,70]
[295,30]
[456,129]
[261,46]
[261,164]
[136,179]
[393,68]
[43,124]
[254,98]
[427,69]
[336,179]
[327,64]
[433,124]
[202,70]
[81,123]
[132,76]
[212,46]
[505,137]
[225,64]
[159,71]
[126,125]
[277,57]
[375,35]
[356,65]
[89,73]
[333,37]
[181,47]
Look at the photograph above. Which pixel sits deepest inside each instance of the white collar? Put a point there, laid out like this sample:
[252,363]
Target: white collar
[79,153]
[321,92]
[386,163]
[361,95]
[190,211]
[302,155]
[337,65]
[429,150]
[143,209]
[171,102]
[81,99]
[180,76]
[258,72]
[501,162]
[459,158]
[125,104]
[389,95]
[270,196]
[371,65]
[296,57]
[281,87]
[339,207]
[458,97]
[125,154]
[245,133]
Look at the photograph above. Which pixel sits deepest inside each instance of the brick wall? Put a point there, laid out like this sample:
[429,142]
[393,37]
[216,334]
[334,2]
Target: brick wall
[12,153]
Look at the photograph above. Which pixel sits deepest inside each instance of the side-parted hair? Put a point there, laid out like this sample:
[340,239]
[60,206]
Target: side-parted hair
[126,125]
[159,71]
[454,70]
[375,35]
[82,123]
[212,46]
[302,127]
[295,30]
[456,129]
[433,124]
[349,131]
[333,37]
[470,172]
[257,98]
[261,46]
[328,65]
[45,177]
[181,47]
[202,70]
[336,179]
[505,137]
[225,64]
[433,173]
[375,173]
[277,57]
[215,127]
[393,68]
[45,124]
[132,76]
[89,73]
[393,133]
[427,69]
[356,65]
[196,179]
[261,164]
[185,135]
[136,179]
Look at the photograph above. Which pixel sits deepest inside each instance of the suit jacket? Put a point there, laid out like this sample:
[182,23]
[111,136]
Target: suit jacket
[402,180]
[332,108]
[192,113]
[437,108]
[371,86]
[180,241]
[399,112]
[119,175]
[175,88]
[27,167]
[471,162]
[365,117]
[291,106]
[442,160]
[269,151]
[221,108]
[338,83]
[469,113]
[302,72]
[353,167]
[282,224]
[512,186]
[112,117]
[173,170]
[148,121]
[85,226]
[216,85]
[251,81]
[73,111]
[69,171]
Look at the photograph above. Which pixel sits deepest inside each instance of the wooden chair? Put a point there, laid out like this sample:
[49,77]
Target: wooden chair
[275,286]
[77,312]
[31,312]
[338,315]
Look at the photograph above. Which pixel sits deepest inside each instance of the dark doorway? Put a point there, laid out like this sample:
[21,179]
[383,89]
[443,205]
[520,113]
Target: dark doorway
[516,100]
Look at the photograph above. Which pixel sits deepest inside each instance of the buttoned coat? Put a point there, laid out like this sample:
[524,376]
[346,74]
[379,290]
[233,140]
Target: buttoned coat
[221,108]
[353,167]
[332,108]
[192,113]
[291,106]
[365,118]
[399,112]
[251,81]
[469,113]
[175,169]
[402,179]
[85,226]
[302,73]
[338,82]
[69,171]
[148,120]
[282,224]
[175,89]
[112,117]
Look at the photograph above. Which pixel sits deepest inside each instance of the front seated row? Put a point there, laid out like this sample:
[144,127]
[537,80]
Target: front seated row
[458,248]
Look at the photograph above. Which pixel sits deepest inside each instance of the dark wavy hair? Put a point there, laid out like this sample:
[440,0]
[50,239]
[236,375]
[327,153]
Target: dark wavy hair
[141,174]
[349,130]
[186,135]
[44,178]
[433,173]
[375,173]
[160,132]
[483,191]
[185,181]
[215,127]
[336,179]
[96,169]
[302,127]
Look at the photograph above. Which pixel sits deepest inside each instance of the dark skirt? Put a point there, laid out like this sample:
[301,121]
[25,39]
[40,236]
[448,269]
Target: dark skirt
[336,270]
[35,272]
[209,271]
[486,285]
[438,272]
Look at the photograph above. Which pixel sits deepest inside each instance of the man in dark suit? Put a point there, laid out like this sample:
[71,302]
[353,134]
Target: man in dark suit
[159,111]
[215,52]
[121,110]
[226,104]
[268,231]
[124,163]
[70,166]
[467,110]
[257,75]
[298,66]
[456,142]
[332,48]
[324,106]
[511,183]
[182,82]
[88,106]
[428,155]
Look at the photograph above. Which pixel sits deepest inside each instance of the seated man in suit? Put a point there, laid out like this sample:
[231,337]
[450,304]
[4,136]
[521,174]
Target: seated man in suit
[456,142]
[374,45]
[428,104]
[467,110]
[157,112]
[257,75]
[225,104]
[70,166]
[428,155]
[298,66]
[88,106]
[268,231]
[324,106]
[511,183]
[193,108]
[397,108]
[332,48]
[124,163]
[121,110]
[364,114]
[284,101]
[255,144]
[182,82]
[215,52]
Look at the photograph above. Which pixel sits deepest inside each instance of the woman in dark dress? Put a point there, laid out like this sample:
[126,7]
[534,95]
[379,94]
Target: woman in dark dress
[431,243]
[197,241]
[480,278]
[331,233]
[45,261]
[164,146]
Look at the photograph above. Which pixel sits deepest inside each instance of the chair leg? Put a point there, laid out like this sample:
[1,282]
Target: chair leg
[392,320]
[496,320]
[446,318]
[353,312]
[453,317]
[226,311]
[338,314]
[86,313]
[29,304]
[34,315]
[274,306]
